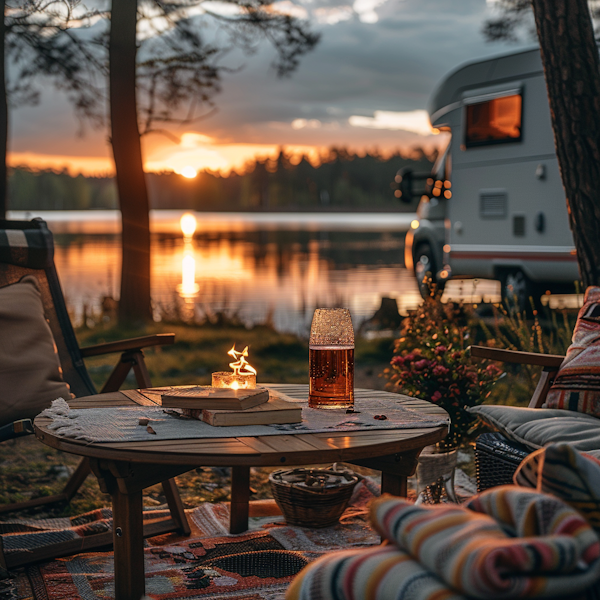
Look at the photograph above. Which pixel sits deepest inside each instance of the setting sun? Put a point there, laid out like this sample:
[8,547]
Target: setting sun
[189,172]
[188,224]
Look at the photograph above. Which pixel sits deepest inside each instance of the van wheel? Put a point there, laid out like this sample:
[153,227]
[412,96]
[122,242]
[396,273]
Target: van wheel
[425,269]
[517,289]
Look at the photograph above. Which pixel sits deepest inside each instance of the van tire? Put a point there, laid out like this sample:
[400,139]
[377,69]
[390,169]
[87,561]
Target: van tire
[425,269]
[518,291]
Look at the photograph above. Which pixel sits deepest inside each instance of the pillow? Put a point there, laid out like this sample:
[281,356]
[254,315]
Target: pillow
[538,427]
[577,384]
[30,374]
[567,474]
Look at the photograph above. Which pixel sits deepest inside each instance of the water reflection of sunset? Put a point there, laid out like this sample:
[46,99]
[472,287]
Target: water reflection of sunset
[258,274]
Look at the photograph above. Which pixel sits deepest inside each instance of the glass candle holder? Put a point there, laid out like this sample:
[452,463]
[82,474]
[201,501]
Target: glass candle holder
[331,359]
[237,381]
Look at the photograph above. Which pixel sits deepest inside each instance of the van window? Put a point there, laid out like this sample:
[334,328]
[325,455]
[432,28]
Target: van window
[495,121]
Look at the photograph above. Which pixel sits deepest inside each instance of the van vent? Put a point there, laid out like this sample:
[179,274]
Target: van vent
[492,204]
[519,225]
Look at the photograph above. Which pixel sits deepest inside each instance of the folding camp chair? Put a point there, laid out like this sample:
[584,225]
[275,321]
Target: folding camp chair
[27,248]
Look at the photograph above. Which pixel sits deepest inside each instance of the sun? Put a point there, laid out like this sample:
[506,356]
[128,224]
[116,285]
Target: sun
[189,172]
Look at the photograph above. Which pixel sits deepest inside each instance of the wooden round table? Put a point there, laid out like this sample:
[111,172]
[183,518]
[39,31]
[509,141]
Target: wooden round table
[124,469]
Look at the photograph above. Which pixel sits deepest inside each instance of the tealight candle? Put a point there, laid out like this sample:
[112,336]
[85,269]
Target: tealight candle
[237,381]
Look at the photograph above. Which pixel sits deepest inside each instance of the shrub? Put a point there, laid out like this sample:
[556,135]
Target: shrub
[431,361]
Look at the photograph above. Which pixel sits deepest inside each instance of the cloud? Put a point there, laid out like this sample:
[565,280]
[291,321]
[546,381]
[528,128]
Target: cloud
[306,123]
[416,121]
[377,62]
[333,15]
[365,9]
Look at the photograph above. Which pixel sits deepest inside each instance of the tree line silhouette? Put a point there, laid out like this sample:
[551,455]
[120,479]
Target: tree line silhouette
[342,180]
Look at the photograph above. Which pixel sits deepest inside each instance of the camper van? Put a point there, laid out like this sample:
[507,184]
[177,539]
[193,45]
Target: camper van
[494,206]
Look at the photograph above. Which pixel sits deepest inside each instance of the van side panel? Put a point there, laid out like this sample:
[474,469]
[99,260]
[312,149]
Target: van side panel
[508,207]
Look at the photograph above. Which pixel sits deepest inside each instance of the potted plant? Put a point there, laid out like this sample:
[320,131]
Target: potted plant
[431,361]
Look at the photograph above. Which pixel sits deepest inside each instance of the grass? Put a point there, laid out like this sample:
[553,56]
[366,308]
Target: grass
[29,469]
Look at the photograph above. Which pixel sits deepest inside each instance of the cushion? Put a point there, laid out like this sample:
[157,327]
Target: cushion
[577,383]
[567,474]
[30,375]
[538,427]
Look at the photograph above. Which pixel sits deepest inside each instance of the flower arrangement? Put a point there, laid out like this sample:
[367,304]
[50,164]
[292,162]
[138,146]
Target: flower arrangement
[431,361]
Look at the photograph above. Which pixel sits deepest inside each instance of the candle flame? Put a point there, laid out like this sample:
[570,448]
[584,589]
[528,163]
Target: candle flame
[240,365]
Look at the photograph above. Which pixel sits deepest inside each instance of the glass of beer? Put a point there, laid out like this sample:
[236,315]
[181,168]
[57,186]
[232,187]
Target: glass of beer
[331,359]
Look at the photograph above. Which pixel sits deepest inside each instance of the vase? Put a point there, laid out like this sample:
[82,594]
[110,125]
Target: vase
[435,475]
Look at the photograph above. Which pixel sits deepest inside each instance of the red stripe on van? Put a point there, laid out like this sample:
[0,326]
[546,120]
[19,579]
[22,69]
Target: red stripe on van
[512,255]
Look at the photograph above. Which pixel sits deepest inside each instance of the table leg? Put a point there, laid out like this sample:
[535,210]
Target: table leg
[128,542]
[393,484]
[176,505]
[395,469]
[240,498]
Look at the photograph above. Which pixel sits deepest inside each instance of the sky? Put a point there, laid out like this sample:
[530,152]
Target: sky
[365,86]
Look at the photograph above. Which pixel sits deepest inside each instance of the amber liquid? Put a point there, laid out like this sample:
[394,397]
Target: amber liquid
[331,381]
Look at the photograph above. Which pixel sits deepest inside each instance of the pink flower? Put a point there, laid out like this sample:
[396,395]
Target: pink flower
[397,360]
[492,370]
[421,364]
[440,371]
[440,350]
[436,397]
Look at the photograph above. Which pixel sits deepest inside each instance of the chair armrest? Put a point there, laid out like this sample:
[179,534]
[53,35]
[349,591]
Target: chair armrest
[159,339]
[550,361]
[16,429]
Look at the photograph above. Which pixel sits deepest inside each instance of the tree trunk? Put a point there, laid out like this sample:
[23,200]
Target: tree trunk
[3,119]
[572,71]
[134,304]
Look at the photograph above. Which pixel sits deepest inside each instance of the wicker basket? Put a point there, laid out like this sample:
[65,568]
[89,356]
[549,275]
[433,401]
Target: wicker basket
[312,497]
[496,460]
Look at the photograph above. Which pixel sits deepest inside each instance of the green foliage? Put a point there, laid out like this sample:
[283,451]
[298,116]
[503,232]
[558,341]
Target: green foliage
[431,358]
[431,361]
[342,181]
[547,333]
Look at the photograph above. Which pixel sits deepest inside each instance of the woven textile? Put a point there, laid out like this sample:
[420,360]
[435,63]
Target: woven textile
[210,564]
[122,424]
[577,384]
[567,474]
[507,543]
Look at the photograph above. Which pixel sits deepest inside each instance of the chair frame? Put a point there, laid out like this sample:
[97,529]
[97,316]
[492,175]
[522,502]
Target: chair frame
[550,363]
[132,357]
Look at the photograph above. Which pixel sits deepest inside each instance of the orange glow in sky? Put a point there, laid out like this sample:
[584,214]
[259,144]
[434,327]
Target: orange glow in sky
[193,153]
[189,172]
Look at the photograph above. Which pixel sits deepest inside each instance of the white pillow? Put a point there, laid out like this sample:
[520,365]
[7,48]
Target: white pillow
[30,375]
[538,427]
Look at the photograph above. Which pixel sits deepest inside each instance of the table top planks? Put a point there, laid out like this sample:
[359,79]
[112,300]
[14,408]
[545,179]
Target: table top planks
[274,450]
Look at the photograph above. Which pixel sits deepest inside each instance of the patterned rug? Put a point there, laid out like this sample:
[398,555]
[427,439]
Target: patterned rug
[210,564]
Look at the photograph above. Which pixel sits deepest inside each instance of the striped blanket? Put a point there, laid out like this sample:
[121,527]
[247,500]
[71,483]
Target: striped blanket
[508,542]
[562,471]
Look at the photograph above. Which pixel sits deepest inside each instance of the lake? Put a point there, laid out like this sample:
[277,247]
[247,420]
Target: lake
[261,267]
